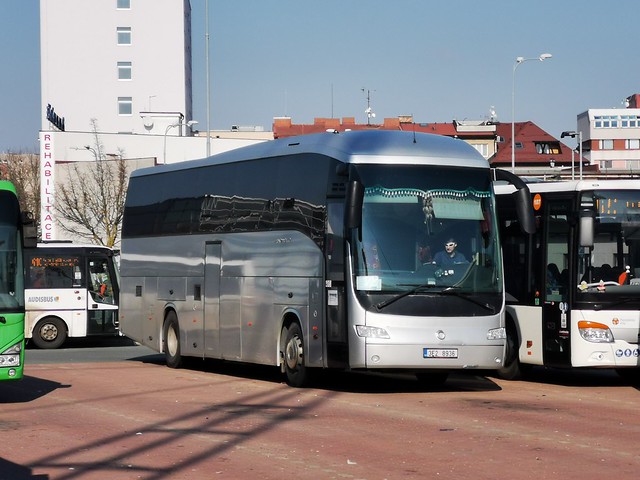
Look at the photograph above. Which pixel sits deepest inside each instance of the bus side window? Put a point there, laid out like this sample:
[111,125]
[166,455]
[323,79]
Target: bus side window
[37,277]
[334,241]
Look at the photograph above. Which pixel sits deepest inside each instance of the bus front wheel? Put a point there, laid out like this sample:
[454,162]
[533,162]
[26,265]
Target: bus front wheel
[172,341]
[513,369]
[49,333]
[297,373]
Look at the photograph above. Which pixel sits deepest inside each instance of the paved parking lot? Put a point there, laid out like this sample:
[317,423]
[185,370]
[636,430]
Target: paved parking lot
[139,419]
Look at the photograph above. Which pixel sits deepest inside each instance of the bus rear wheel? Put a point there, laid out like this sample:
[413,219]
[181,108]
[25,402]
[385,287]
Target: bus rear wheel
[295,370]
[171,340]
[49,333]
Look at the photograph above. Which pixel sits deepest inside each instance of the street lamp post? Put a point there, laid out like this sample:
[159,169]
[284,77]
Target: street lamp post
[206,50]
[574,134]
[519,60]
[95,154]
[189,124]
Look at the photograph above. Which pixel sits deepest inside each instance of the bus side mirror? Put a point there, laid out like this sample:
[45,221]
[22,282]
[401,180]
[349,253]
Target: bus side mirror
[587,218]
[354,201]
[524,209]
[522,198]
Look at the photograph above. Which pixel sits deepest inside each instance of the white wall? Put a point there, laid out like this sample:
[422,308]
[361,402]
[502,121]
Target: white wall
[79,55]
[60,148]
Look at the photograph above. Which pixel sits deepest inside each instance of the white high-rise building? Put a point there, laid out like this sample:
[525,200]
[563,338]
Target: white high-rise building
[115,61]
[611,136]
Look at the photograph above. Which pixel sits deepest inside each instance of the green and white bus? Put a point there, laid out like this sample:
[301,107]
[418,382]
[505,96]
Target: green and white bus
[11,285]
[318,252]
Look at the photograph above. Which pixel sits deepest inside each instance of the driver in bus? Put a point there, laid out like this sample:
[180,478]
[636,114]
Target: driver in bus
[449,257]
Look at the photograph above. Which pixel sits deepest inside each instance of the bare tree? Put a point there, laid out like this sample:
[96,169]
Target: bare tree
[23,170]
[90,204]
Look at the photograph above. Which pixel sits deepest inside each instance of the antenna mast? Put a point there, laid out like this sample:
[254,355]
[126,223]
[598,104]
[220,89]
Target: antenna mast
[369,111]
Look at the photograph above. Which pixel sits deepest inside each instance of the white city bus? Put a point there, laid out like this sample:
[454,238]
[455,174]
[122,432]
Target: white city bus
[316,252]
[573,287]
[71,291]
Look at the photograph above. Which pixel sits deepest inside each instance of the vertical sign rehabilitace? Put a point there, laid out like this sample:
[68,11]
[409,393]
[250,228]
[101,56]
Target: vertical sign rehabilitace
[47,191]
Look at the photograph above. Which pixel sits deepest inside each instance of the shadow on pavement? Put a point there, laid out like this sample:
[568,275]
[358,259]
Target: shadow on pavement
[27,390]
[339,381]
[12,471]
[92,342]
[579,377]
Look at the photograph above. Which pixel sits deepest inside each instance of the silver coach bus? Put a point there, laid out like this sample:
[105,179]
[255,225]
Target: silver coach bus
[318,251]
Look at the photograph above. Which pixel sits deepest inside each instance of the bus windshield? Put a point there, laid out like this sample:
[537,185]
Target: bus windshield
[429,229]
[11,275]
[612,264]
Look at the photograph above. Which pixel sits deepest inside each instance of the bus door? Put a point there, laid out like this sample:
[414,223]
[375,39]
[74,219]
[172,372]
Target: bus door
[211,323]
[102,305]
[556,325]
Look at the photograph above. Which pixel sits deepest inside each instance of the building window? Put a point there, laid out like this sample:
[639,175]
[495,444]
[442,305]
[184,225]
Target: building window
[632,144]
[483,148]
[630,121]
[605,144]
[548,148]
[124,35]
[124,70]
[123,4]
[606,121]
[125,106]
[518,145]
[604,164]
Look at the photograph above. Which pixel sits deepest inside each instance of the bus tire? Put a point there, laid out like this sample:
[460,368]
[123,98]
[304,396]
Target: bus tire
[296,372]
[171,340]
[49,333]
[512,369]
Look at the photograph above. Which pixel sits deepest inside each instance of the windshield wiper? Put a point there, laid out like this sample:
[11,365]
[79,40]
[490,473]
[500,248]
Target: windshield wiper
[601,306]
[381,305]
[457,293]
[446,291]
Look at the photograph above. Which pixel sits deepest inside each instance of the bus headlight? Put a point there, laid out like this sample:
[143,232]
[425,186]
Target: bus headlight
[371,332]
[11,356]
[595,332]
[497,334]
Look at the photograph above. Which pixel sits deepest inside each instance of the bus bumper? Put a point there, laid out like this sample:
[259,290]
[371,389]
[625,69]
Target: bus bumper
[482,357]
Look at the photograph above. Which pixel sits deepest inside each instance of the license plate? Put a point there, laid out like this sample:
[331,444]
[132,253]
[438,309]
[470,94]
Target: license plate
[440,353]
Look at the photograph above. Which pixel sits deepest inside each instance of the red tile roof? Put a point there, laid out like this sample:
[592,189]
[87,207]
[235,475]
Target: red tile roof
[529,135]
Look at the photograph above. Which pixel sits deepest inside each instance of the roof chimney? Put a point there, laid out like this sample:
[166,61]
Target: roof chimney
[633,101]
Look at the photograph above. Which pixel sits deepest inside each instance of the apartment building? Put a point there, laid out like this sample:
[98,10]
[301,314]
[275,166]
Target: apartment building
[611,136]
[124,63]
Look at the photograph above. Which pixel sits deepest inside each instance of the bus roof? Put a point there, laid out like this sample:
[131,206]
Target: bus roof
[574,186]
[349,147]
[7,185]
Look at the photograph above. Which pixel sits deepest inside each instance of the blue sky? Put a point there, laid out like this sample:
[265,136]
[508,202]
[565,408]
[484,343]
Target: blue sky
[438,61]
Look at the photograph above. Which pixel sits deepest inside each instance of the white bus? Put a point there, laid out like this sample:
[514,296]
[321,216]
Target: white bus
[317,252]
[71,291]
[573,287]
